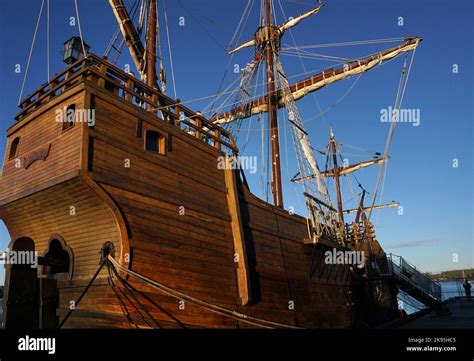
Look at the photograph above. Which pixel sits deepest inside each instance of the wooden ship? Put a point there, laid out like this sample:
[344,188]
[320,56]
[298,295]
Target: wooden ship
[141,186]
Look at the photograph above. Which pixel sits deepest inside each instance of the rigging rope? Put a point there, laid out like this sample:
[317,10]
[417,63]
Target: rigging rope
[233,91]
[47,36]
[285,268]
[80,29]
[142,15]
[243,95]
[398,102]
[246,9]
[245,15]
[31,52]
[244,148]
[204,304]
[393,129]
[347,43]
[113,40]
[135,298]
[122,304]
[169,49]
[309,55]
[102,263]
[321,114]
[304,68]
[200,24]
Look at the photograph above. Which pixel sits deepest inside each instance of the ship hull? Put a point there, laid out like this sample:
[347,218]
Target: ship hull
[171,215]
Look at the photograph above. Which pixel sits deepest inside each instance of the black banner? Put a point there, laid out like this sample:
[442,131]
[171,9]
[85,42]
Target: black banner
[404,345]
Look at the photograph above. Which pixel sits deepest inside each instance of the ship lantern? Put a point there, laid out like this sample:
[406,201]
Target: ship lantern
[73,50]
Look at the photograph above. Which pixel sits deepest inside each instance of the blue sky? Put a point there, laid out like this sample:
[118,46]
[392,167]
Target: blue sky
[438,214]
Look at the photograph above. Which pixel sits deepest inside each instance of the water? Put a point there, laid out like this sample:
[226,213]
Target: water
[449,289]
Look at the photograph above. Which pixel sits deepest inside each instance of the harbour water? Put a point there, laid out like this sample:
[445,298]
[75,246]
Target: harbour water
[449,289]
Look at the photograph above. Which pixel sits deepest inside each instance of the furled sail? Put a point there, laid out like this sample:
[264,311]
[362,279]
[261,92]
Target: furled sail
[300,134]
[285,26]
[352,168]
[365,209]
[344,170]
[318,81]
[295,21]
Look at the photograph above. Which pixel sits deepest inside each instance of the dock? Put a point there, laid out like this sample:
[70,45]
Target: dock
[460,316]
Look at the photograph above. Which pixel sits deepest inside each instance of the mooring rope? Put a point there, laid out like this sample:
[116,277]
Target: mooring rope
[132,294]
[122,304]
[255,321]
[71,310]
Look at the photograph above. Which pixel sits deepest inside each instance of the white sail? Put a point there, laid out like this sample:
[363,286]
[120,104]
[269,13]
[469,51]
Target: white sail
[298,128]
[295,21]
[285,26]
[244,45]
[318,81]
[309,154]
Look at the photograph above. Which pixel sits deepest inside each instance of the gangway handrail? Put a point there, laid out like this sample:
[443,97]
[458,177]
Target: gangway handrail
[400,268]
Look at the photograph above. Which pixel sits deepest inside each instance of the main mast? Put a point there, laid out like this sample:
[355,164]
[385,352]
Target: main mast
[271,33]
[267,41]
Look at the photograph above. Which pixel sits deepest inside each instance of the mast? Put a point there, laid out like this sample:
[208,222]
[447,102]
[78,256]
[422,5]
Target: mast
[343,170]
[267,40]
[151,45]
[365,209]
[338,185]
[315,82]
[270,46]
[360,209]
[130,34]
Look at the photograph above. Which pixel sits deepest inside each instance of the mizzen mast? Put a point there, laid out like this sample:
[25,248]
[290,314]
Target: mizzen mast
[338,184]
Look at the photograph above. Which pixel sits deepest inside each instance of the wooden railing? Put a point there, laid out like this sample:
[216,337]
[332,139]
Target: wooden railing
[125,86]
[358,232]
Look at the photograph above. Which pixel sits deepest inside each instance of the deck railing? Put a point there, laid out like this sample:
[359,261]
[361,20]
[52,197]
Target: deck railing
[125,86]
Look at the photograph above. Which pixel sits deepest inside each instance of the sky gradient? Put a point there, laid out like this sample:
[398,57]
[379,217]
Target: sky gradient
[437,198]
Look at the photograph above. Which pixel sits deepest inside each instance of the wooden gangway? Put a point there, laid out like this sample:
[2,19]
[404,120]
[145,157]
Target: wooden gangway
[412,281]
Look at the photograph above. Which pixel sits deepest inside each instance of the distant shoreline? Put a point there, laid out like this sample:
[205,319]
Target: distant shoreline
[453,275]
[452,279]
